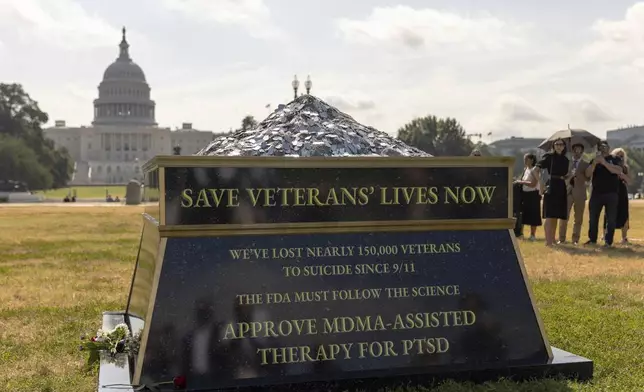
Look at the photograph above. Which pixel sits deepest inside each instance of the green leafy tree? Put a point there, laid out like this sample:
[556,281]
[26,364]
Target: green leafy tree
[436,136]
[248,122]
[636,166]
[21,118]
[19,162]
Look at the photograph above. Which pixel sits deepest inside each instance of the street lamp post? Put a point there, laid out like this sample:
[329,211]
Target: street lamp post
[308,84]
[296,85]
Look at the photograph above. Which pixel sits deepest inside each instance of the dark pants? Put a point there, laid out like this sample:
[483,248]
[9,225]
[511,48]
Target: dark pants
[518,227]
[516,209]
[607,201]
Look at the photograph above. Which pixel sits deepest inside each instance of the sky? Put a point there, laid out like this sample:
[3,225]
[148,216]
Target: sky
[509,68]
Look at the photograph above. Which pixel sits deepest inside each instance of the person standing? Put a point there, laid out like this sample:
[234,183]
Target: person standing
[530,198]
[576,188]
[606,172]
[622,217]
[555,202]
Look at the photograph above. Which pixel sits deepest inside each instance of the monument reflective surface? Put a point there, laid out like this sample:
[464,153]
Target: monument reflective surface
[271,309]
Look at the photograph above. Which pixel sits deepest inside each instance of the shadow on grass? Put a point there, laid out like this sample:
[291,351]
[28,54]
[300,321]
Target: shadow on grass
[622,251]
[550,385]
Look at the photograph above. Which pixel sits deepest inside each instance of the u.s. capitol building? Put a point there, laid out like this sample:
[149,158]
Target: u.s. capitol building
[124,133]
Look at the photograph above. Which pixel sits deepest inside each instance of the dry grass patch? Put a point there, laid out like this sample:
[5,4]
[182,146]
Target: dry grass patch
[58,283]
[576,262]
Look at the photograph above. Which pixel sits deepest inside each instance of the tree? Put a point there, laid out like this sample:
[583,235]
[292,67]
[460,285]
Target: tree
[636,166]
[436,136]
[248,122]
[19,162]
[21,118]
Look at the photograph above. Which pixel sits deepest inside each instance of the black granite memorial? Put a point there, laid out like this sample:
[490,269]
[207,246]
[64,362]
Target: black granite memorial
[331,274]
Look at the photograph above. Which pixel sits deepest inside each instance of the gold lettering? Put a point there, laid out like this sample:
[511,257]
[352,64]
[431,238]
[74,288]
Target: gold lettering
[454,318]
[332,198]
[186,197]
[349,195]
[217,195]
[363,196]
[313,197]
[352,324]
[285,192]
[300,197]
[269,197]
[425,346]
[254,195]
[376,349]
[383,197]
[485,193]
[468,194]
[202,199]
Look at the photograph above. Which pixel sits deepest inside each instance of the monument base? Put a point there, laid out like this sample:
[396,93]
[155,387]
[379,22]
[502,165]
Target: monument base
[566,365]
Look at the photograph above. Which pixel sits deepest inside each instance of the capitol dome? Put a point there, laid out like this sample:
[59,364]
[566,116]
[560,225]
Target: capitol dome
[124,70]
[124,94]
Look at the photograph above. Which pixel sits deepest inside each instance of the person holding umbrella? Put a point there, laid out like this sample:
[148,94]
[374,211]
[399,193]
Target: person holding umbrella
[555,195]
[576,138]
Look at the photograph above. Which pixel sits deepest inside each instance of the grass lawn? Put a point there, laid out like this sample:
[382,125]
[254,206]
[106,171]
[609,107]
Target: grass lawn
[61,267]
[86,192]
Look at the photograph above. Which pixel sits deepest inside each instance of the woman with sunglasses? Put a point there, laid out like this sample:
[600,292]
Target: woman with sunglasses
[555,197]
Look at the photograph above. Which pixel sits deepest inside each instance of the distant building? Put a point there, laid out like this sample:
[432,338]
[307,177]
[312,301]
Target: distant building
[510,146]
[631,136]
[124,133]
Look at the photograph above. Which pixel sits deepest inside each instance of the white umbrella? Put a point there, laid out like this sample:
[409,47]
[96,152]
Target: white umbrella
[571,137]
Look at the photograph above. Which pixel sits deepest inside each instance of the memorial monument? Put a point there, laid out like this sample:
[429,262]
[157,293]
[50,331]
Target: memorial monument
[280,259]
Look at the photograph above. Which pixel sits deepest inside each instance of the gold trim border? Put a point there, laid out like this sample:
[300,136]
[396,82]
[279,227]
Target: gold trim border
[146,221]
[510,190]
[334,227]
[148,317]
[528,286]
[324,162]
[161,182]
[163,161]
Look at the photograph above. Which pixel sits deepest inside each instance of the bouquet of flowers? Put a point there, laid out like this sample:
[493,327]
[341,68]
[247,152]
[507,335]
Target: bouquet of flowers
[116,341]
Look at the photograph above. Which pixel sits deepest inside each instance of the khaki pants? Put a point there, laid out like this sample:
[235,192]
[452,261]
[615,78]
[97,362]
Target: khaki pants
[579,204]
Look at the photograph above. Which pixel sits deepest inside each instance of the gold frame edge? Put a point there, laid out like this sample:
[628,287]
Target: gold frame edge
[148,318]
[528,286]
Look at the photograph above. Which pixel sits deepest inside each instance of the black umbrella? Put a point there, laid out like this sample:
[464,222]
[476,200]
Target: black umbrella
[570,137]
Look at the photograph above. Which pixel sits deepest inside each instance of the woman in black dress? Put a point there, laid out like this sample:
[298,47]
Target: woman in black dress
[555,197]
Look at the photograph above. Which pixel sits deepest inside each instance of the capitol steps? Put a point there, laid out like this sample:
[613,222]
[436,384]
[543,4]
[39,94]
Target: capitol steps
[81,174]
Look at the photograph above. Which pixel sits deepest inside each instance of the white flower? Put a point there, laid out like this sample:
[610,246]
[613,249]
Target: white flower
[122,328]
